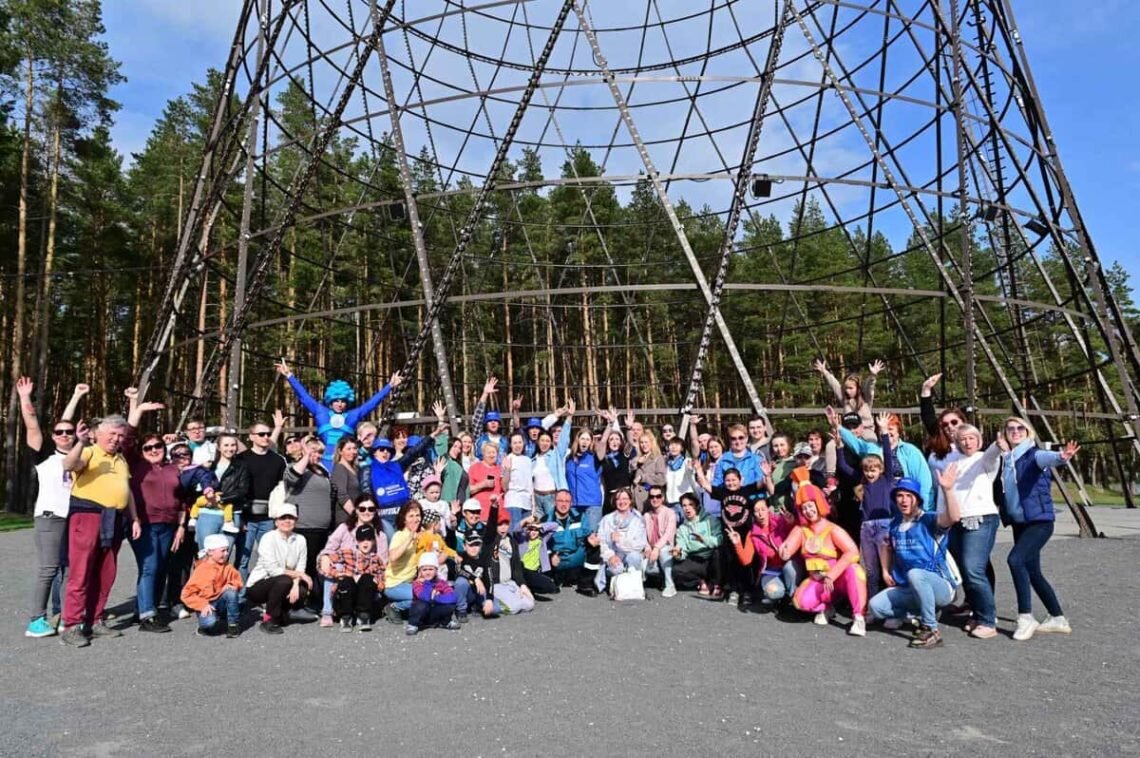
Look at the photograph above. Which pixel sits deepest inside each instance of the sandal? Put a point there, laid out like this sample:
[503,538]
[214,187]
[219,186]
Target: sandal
[970,625]
[717,593]
[703,590]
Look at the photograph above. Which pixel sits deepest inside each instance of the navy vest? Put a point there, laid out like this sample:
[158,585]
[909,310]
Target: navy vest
[1034,487]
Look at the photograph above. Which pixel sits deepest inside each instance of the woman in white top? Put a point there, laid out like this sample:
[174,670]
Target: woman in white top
[279,581]
[972,538]
[518,481]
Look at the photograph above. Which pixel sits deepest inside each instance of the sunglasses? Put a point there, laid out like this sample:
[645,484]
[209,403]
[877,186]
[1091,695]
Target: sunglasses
[259,434]
[950,423]
[1014,428]
[365,509]
[180,455]
[63,432]
[158,446]
[666,428]
[738,438]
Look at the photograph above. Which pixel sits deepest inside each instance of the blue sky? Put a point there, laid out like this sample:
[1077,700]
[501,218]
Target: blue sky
[1084,59]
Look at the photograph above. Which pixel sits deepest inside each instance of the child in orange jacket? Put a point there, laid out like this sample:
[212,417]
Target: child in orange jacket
[214,585]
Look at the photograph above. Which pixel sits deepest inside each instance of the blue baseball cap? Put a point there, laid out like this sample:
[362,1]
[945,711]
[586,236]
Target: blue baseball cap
[383,443]
[492,416]
[534,422]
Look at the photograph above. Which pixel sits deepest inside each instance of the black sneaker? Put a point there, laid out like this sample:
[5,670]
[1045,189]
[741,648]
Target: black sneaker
[271,627]
[363,624]
[461,618]
[153,624]
[302,616]
[927,638]
[233,631]
[100,629]
[74,637]
[393,615]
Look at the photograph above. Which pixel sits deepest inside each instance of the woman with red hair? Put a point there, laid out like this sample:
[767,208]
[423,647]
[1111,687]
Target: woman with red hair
[831,559]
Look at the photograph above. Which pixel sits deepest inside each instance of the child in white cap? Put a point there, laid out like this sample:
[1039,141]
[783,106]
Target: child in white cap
[433,599]
[213,586]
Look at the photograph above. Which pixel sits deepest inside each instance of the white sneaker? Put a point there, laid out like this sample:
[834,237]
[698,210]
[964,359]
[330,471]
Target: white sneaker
[892,624]
[230,528]
[820,619]
[858,627]
[1026,626]
[183,613]
[669,591]
[192,523]
[1054,625]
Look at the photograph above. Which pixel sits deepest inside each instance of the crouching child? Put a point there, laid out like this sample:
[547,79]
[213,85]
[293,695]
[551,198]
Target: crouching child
[213,589]
[359,575]
[433,599]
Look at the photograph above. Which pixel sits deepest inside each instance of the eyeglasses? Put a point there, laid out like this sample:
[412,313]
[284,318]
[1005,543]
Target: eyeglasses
[666,428]
[159,446]
[259,434]
[738,438]
[195,428]
[180,455]
[1015,428]
[365,509]
[63,432]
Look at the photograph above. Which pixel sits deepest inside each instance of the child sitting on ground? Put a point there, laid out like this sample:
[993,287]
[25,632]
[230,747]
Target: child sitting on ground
[530,538]
[213,585]
[473,586]
[433,599]
[359,575]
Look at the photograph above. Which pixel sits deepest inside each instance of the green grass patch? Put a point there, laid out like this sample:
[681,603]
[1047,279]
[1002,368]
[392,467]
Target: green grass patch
[1098,495]
[10,522]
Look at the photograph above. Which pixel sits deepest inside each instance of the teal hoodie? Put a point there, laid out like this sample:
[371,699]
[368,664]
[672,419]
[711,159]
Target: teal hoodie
[704,526]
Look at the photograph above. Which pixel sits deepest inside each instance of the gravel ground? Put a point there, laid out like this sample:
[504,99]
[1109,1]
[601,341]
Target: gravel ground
[664,677]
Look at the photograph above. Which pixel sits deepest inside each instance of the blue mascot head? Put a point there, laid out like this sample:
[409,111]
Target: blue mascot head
[339,389]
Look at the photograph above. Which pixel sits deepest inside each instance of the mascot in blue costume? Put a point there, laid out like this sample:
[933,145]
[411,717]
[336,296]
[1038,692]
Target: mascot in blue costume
[334,418]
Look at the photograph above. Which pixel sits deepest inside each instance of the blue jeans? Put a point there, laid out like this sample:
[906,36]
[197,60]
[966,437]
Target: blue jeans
[544,504]
[254,531]
[1025,564]
[400,595]
[776,584]
[873,535]
[591,517]
[228,602]
[517,515]
[924,593]
[151,549]
[210,521]
[464,594]
[388,524]
[971,549]
[663,565]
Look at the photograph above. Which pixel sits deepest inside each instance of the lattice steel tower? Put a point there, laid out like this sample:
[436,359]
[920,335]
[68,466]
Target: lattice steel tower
[418,139]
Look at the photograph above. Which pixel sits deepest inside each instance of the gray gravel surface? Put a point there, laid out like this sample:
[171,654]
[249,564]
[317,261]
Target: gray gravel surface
[586,676]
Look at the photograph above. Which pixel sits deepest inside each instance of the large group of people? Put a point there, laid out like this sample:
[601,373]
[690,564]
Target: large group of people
[353,523]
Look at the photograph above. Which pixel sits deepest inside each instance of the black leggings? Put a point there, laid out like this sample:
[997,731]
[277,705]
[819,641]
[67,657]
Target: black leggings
[540,582]
[354,597]
[273,593]
[690,572]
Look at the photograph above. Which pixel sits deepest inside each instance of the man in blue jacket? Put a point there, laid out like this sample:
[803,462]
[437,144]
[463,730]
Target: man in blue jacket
[569,542]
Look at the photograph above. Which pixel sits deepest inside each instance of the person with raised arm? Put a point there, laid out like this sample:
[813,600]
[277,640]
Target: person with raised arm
[1027,489]
[334,417]
[53,495]
[853,395]
[916,569]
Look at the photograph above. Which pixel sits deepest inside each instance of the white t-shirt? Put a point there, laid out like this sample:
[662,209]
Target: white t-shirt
[54,486]
[520,492]
[543,481]
[975,486]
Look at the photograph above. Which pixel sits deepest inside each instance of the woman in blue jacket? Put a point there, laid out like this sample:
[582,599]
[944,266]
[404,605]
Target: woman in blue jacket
[909,462]
[334,418]
[384,480]
[1027,481]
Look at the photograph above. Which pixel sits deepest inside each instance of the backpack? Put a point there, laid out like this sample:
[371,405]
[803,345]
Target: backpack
[627,586]
[276,500]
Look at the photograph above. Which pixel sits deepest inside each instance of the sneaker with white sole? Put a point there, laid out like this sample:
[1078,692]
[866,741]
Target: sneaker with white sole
[1054,625]
[982,632]
[230,528]
[858,627]
[820,619]
[669,591]
[39,627]
[1026,626]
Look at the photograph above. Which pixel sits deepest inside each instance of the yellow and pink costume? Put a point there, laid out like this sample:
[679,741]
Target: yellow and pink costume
[821,552]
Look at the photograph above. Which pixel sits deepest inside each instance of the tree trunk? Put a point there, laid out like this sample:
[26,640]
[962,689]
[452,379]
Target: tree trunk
[607,357]
[16,367]
[42,320]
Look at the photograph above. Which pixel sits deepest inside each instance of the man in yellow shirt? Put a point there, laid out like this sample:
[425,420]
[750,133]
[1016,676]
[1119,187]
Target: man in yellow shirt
[100,494]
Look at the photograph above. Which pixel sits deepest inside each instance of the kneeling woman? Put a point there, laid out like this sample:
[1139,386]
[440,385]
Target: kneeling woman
[831,559]
[696,561]
[915,570]
[762,552]
[403,557]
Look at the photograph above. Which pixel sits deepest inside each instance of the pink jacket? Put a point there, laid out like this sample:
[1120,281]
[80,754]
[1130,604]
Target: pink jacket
[660,526]
[766,541]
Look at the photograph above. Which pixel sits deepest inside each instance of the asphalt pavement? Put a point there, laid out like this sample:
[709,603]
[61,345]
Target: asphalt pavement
[582,676]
